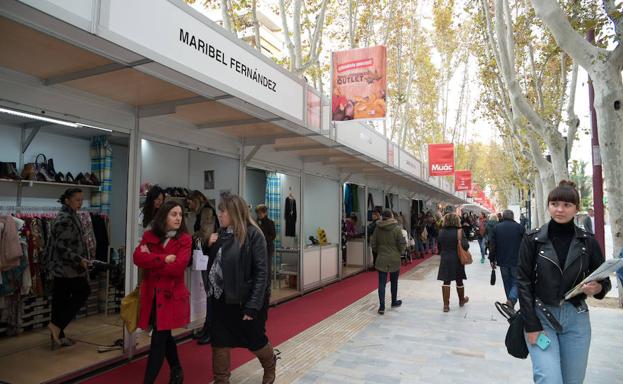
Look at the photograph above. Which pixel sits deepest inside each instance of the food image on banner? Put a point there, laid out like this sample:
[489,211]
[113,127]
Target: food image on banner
[462,180]
[359,84]
[440,159]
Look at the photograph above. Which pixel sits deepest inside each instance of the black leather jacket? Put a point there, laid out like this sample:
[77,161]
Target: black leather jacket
[540,275]
[245,272]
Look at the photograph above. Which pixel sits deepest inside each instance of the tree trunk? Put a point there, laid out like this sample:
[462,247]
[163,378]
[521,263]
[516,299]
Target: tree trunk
[256,27]
[556,145]
[537,220]
[608,91]
[225,15]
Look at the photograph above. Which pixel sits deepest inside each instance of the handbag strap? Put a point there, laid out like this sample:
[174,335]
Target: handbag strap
[37,163]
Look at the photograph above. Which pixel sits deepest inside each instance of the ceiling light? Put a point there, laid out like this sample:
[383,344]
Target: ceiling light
[94,127]
[38,117]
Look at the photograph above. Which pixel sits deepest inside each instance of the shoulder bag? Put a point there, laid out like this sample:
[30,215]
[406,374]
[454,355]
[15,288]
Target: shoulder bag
[464,256]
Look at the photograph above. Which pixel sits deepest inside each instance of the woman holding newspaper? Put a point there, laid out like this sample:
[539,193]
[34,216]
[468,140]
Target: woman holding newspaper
[552,261]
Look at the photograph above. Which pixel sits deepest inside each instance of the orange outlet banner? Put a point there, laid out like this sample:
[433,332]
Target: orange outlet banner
[440,159]
[462,180]
[359,84]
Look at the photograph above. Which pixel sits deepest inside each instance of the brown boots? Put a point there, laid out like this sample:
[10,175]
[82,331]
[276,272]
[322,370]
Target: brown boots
[462,298]
[267,358]
[445,290]
[221,361]
[221,364]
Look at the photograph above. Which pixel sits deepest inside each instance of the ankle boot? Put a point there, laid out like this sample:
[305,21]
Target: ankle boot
[267,358]
[176,376]
[445,290]
[221,362]
[462,298]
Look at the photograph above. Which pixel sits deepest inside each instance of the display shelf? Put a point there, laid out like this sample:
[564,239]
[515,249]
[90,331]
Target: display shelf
[9,181]
[31,183]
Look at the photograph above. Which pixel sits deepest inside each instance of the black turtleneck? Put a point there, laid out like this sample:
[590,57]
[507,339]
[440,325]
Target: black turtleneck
[561,236]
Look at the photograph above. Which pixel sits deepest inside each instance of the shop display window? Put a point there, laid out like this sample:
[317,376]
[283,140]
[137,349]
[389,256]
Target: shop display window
[40,159]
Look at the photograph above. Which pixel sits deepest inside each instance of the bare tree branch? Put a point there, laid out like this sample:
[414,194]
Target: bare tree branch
[573,122]
[614,14]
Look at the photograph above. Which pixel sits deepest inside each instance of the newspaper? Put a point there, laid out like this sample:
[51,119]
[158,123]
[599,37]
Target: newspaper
[603,272]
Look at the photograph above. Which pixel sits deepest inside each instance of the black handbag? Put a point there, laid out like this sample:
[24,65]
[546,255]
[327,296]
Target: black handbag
[515,340]
[493,277]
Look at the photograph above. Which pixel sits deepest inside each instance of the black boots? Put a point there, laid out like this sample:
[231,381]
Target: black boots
[177,376]
[203,336]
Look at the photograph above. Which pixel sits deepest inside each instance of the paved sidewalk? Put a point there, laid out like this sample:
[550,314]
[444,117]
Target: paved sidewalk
[418,343]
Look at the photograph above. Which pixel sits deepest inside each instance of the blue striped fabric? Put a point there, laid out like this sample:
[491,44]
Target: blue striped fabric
[101,166]
[273,202]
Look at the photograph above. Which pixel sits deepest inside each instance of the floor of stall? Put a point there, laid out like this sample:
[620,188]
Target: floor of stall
[349,270]
[27,358]
[285,321]
[280,294]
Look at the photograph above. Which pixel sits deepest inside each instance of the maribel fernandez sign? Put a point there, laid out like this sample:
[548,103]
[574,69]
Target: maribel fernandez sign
[232,63]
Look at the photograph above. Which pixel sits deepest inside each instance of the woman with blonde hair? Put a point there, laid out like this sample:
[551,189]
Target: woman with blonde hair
[238,287]
[450,267]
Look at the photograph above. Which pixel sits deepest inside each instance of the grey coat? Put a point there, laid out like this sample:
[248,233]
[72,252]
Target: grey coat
[66,247]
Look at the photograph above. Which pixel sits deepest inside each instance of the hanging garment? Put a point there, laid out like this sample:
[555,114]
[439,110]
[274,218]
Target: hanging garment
[348,199]
[101,167]
[100,231]
[273,203]
[10,248]
[290,217]
[355,197]
[89,235]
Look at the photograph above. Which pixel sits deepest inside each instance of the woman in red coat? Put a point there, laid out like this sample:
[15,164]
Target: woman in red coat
[163,255]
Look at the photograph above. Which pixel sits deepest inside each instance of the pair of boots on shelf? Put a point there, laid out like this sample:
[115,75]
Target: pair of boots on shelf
[460,290]
[221,364]
[8,171]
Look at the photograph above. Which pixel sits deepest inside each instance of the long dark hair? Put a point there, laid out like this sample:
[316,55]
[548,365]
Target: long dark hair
[149,210]
[159,226]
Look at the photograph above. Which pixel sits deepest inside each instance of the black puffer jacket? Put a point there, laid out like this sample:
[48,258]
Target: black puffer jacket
[539,273]
[245,272]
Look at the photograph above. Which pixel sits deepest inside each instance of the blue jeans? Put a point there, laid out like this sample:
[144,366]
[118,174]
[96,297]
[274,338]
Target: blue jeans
[483,246]
[419,245]
[393,278]
[565,361]
[509,277]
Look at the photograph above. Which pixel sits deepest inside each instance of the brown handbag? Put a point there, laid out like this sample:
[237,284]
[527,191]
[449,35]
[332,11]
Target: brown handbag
[29,172]
[464,256]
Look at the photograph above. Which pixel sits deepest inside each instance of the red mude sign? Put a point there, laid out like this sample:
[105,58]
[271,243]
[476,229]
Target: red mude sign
[462,180]
[440,159]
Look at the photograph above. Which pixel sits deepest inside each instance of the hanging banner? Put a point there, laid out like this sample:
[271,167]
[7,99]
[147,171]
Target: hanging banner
[359,84]
[462,180]
[440,159]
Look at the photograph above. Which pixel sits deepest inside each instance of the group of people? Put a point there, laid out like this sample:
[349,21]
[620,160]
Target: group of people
[237,281]
[538,267]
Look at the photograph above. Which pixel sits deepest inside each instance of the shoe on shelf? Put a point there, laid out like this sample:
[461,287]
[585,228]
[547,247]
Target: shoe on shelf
[59,177]
[69,178]
[94,179]
[82,179]
[396,303]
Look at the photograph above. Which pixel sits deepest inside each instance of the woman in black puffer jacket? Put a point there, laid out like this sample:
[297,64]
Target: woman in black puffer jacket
[239,288]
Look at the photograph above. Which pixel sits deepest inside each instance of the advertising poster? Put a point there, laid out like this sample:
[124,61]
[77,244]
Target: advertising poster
[359,84]
[441,159]
[462,180]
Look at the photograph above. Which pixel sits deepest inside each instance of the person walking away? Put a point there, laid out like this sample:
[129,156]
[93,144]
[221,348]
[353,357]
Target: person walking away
[491,223]
[388,242]
[268,229]
[589,221]
[431,231]
[376,216]
[239,290]
[504,243]
[163,255]
[552,260]
[482,236]
[205,225]
[67,263]
[450,267]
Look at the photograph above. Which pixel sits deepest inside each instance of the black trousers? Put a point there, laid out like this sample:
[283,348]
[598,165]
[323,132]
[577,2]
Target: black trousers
[68,297]
[162,345]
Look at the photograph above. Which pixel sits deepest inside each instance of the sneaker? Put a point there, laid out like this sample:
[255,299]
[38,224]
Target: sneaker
[482,260]
[396,303]
[381,311]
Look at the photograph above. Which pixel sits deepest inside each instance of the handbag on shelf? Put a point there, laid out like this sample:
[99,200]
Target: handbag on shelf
[464,256]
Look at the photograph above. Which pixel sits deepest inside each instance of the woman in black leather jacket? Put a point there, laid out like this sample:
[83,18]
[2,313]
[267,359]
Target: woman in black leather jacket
[239,289]
[552,260]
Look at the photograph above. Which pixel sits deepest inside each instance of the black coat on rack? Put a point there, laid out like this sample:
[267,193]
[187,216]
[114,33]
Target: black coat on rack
[290,216]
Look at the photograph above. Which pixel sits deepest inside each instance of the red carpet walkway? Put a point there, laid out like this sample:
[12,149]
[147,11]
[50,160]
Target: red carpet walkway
[284,322]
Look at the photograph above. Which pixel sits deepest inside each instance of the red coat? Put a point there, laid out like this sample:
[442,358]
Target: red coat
[166,281]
